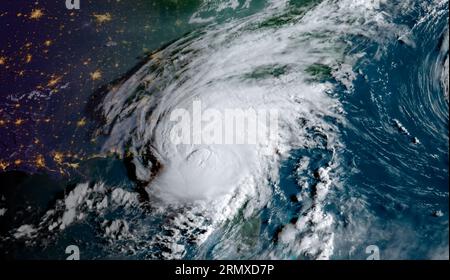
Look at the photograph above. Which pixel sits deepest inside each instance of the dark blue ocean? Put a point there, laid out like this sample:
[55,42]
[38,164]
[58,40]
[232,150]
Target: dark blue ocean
[371,172]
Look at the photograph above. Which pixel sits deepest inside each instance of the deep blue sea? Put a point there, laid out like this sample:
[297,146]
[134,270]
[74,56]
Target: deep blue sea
[362,158]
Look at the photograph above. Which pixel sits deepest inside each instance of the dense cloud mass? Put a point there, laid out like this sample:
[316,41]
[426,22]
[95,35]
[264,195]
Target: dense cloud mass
[316,188]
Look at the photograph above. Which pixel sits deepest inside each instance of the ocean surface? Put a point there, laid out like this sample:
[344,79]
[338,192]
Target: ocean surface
[360,160]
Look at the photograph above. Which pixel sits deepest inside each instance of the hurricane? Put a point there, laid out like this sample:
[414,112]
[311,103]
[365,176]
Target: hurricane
[359,156]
